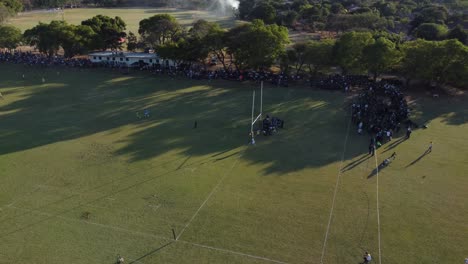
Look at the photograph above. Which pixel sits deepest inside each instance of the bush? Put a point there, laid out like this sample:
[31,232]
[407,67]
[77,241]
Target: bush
[431,31]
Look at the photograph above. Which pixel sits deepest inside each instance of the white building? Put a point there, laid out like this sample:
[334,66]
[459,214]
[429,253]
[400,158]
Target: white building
[130,59]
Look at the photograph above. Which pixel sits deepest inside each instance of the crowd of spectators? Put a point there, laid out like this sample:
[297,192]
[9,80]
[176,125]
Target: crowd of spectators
[381,110]
[34,59]
[340,82]
[181,71]
[331,82]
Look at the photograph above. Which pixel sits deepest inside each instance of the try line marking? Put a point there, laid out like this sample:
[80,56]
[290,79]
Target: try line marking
[226,173]
[142,234]
[338,177]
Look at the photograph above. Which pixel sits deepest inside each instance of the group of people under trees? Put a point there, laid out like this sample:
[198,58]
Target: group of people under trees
[271,125]
[381,110]
[35,59]
[195,72]
[339,82]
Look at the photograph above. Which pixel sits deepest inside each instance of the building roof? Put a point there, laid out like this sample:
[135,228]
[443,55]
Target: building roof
[139,55]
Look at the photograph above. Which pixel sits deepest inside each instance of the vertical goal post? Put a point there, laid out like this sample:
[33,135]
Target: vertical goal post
[259,116]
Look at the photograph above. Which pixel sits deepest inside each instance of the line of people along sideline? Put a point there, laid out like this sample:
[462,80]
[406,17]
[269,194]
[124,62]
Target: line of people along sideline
[195,72]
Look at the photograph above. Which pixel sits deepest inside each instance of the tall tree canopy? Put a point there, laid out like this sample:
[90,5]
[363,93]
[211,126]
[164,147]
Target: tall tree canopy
[381,56]
[437,61]
[9,8]
[431,31]
[45,37]
[319,55]
[49,38]
[349,50]
[159,30]
[109,32]
[10,37]
[256,45]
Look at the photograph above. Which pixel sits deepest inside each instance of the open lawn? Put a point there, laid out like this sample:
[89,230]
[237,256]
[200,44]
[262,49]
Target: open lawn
[131,16]
[83,179]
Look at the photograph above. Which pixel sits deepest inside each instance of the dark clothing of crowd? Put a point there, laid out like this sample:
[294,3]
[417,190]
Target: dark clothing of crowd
[340,82]
[380,109]
[33,59]
[271,125]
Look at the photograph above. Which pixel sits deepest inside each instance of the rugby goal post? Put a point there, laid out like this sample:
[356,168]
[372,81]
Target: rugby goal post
[258,117]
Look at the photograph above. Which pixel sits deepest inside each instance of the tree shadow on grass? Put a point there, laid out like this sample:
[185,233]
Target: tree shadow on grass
[452,110]
[66,108]
[75,104]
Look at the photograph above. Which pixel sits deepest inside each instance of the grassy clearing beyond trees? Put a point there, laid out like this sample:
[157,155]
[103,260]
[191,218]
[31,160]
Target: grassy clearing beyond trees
[131,16]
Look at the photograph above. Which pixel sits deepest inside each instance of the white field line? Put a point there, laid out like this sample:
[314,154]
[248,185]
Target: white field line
[36,188]
[226,173]
[233,252]
[338,177]
[378,206]
[137,233]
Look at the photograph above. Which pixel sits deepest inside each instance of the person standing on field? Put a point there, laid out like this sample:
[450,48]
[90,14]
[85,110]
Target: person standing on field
[408,133]
[367,258]
[429,149]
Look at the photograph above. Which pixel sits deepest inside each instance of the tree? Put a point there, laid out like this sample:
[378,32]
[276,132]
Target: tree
[132,41]
[216,43]
[245,7]
[201,28]
[264,11]
[4,13]
[386,8]
[298,55]
[318,55]
[49,38]
[9,8]
[76,39]
[289,18]
[348,51]
[159,30]
[430,14]
[381,56]
[458,33]
[110,32]
[344,22]
[13,6]
[450,62]
[195,46]
[45,37]
[256,45]
[10,37]
[431,31]
[435,61]
[337,8]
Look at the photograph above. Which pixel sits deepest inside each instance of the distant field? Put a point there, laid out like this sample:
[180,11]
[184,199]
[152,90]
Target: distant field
[131,16]
[83,179]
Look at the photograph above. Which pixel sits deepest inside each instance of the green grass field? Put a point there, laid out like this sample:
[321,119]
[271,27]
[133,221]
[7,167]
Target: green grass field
[131,16]
[83,179]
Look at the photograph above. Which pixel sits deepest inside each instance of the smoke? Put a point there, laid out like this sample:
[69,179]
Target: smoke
[231,3]
[225,6]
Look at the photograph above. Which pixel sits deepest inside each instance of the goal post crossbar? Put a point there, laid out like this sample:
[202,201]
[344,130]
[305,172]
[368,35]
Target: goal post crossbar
[259,116]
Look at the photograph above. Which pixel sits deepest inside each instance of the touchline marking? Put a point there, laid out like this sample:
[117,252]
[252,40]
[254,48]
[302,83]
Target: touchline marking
[211,194]
[232,252]
[137,233]
[378,210]
[338,177]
